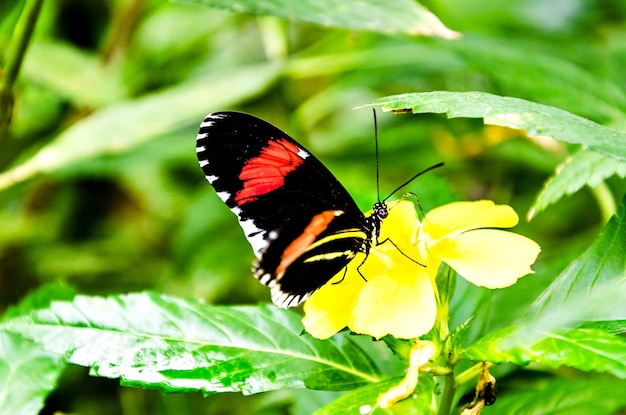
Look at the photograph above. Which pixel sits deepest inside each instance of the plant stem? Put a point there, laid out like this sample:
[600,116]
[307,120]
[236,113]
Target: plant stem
[605,200]
[448,395]
[21,37]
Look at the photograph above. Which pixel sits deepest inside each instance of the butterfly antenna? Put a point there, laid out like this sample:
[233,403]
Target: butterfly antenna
[412,178]
[376,141]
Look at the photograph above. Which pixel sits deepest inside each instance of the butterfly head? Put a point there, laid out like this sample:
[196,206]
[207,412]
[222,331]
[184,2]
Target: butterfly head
[381,211]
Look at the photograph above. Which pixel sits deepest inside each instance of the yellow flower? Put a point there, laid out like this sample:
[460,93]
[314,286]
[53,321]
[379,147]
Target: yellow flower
[397,295]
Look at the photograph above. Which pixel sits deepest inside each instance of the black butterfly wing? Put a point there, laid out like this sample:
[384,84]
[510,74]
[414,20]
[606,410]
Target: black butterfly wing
[307,252]
[276,187]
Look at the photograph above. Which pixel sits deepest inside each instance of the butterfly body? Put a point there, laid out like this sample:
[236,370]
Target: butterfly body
[303,225]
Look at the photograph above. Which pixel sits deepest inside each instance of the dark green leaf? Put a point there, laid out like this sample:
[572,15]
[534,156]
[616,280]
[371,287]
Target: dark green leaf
[584,168]
[151,340]
[403,16]
[536,119]
[543,76]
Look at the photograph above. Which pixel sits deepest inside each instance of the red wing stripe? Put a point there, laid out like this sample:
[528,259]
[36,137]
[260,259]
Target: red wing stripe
[266,172]
[299,245]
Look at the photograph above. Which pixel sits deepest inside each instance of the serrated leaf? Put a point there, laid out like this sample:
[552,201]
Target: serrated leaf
[598,268]
[400,16]
[363,400]
[536,119]
[590,396]
[151,340]
[125,125]
[583,349]
[584,168]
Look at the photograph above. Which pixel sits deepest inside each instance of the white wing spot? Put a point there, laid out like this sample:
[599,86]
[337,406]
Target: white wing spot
[256,236]
[201,136]
[207,122]
[210,177]
[200,149]
[303,154]
[203,162]
[224,196]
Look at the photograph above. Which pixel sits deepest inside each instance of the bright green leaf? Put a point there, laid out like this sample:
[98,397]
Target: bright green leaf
[27,372]
[584,168]
[536,119]
[584,349]
[27,375]
[151,340]
[590,396]
[400,16]
[123,126]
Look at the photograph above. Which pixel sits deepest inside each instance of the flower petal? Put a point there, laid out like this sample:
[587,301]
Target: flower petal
[463,216]
[402,307]
[488,257]
[329,309]
[401,225]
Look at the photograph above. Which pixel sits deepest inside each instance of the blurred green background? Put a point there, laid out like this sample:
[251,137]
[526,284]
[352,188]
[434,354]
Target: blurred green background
[111,94]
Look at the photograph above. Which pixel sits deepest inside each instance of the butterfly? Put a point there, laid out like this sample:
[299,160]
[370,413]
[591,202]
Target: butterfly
[302,224]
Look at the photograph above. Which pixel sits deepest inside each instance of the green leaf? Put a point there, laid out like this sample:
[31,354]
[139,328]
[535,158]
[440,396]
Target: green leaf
[363,400]
[522,69]
[583,349]
[125,125]
[589,396]
[601,266]
[27,375]
[27,372]
[536,119]
[400,16]
[151,340]
[584,168]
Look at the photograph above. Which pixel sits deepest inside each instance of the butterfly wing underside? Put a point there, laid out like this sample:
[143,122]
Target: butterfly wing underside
[303,225]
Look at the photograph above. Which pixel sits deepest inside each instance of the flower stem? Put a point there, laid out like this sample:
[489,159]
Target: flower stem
[605,200]
[447,398]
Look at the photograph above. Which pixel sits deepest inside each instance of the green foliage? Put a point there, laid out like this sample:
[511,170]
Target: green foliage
[397,17]
[101,195]
[153,340]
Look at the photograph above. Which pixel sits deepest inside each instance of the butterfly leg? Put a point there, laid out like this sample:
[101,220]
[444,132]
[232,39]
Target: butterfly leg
[399,250]
[345,270]
[358,269]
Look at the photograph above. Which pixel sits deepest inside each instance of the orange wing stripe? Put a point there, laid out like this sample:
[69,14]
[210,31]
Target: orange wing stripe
[299,245]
